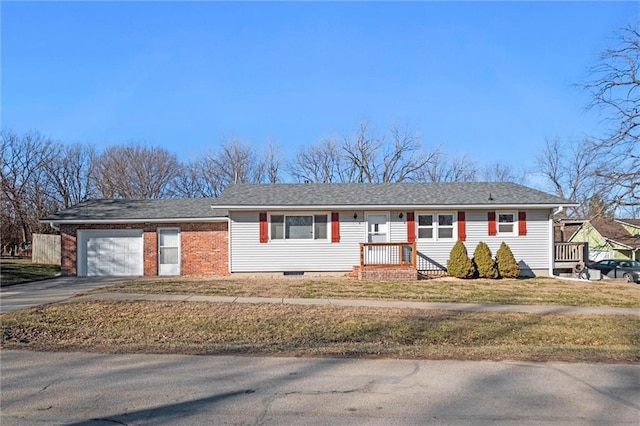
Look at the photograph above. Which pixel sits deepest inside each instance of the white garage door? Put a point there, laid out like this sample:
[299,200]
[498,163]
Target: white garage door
[110,252]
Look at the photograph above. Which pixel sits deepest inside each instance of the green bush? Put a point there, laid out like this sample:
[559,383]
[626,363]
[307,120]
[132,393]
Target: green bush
[459,265]
[507,265]
[485,264]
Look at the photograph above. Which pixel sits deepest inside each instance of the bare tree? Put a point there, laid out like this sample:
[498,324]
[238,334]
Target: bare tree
[568,171]
[68,173]
[319,163]
[23,181]
[363,157]
[615,89]
[360,155]
[404,158]
[134,171]
[272,163]
[461,168]
[499,172]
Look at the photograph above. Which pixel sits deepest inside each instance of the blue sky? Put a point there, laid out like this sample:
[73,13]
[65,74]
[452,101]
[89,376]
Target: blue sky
[491,79]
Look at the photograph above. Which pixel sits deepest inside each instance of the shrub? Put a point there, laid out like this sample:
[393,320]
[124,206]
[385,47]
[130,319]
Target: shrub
[507,265]
[459,265]
[485,264]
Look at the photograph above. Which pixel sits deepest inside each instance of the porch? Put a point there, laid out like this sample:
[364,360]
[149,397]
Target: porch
[387,261]
[571,256]
[403,261]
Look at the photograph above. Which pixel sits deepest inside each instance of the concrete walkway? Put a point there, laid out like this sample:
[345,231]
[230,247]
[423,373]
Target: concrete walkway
[463,307]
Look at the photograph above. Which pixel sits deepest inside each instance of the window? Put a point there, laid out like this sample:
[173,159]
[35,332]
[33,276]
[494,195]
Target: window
[299,227]
[506,223]
[425,226]
[435,226]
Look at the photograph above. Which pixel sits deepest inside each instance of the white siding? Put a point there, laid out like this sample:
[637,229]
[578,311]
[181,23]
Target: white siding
[247,254]
[532,251]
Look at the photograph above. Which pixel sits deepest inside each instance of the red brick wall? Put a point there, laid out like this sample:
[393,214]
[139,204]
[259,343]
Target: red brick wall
[68,250]
[204,246]
[388,273]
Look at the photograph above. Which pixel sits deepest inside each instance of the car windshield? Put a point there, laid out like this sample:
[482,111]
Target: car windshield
[632,264]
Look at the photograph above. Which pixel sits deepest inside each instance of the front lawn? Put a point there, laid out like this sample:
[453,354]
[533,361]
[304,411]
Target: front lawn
[299,330]
[295,330]
[545,291]
[16,271]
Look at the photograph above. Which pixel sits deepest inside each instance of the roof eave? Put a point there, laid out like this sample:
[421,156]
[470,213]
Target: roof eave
[230,207]
[118,221]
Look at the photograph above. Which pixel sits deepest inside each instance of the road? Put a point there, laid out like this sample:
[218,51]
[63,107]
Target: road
[99,389]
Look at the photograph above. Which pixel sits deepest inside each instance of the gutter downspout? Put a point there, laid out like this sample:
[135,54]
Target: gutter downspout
[54,227]
[552,251]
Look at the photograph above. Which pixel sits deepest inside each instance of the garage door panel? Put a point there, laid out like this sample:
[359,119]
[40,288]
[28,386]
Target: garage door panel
[111,252]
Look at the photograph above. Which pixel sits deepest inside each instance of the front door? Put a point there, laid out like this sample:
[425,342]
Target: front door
[377,232]
[169,251]
[377,228]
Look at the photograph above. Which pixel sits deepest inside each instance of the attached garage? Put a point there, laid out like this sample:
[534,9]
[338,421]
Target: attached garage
[110,252]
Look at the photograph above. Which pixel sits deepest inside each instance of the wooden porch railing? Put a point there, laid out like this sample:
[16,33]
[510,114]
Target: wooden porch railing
[382,254]
[568,255]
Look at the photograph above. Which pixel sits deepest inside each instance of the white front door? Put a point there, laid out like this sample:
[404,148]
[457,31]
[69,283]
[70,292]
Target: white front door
[377,227]
[377,232]
[169,251]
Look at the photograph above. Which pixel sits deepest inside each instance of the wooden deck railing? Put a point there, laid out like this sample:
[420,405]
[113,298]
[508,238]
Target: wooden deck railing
[568,255]
[381,254]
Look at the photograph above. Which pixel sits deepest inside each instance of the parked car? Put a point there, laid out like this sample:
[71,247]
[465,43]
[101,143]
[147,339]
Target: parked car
[629,270]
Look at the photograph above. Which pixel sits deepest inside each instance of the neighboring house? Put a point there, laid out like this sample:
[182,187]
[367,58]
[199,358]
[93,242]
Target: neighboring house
[610,238]
[302,228]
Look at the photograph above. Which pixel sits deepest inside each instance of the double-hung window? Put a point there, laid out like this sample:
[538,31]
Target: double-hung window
[435,226]
[506,223]
[299,227]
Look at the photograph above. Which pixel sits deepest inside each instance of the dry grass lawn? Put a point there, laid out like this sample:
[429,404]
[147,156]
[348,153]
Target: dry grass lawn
[544,291]
[299,330]
[294,330]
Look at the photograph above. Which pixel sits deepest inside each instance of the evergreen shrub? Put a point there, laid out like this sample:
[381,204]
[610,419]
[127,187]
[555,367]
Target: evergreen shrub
[507,265]
[459,265]
[486,265]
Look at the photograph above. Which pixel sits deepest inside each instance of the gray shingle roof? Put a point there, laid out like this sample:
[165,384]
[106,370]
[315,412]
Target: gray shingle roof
[136,210]
[308,195]
[385,194]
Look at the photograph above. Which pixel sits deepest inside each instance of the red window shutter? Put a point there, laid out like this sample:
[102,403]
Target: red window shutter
[491,218]
[522,223]
[264,230]
[411,227]
[462,227]
[335,227]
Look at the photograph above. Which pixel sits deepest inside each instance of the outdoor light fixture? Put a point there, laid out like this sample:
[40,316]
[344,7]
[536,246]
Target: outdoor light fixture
[400,215]
[355,215]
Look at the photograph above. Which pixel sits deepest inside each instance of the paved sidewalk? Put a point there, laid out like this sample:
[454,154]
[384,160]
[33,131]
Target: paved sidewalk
[463,307]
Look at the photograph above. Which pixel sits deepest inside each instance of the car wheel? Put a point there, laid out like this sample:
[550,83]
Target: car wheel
[628,278]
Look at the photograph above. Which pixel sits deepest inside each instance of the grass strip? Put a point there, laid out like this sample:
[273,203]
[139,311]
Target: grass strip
[543,291]
[289,330]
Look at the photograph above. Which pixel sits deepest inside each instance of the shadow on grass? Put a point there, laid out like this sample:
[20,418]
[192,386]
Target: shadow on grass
[20,271]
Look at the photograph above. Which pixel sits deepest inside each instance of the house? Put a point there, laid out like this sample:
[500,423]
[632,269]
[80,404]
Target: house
[304,228]
[610,238]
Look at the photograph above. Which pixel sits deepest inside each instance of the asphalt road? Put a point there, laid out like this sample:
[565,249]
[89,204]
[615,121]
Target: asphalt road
[98,389]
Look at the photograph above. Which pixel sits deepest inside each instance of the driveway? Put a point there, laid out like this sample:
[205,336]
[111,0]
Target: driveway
[143,389]
[53,290]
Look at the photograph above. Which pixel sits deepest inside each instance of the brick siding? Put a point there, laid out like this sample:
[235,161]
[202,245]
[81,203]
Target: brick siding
[388,273]
[204,246]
